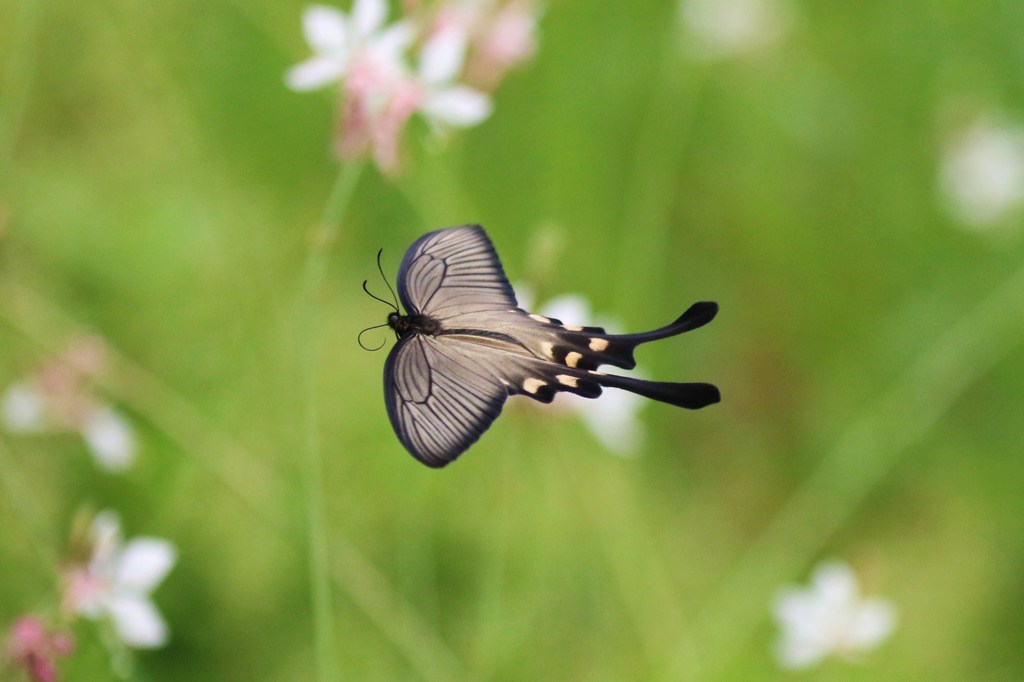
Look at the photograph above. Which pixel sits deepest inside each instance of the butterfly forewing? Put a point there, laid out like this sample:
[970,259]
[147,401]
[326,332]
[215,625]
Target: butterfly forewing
[452,272]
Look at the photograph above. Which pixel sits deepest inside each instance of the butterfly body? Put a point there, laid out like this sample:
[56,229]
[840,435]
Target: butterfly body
[404,325]
[465,346]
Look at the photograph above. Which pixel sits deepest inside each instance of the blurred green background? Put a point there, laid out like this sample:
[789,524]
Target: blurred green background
[159,186]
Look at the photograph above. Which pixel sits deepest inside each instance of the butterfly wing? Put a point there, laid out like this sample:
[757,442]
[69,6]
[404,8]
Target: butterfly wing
[444,388]
[452,272]
[443,392]
[441,396]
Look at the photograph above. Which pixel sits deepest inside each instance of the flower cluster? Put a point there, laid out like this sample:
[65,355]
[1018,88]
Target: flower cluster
[59,396]
[829,618]
[439,63]
[107,580]
[115,578]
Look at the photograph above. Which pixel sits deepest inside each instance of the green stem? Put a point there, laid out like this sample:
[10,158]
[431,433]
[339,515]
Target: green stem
[319,556]
[893,426]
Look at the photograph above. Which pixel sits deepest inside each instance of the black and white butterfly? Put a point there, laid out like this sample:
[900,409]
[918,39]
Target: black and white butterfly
[465,346]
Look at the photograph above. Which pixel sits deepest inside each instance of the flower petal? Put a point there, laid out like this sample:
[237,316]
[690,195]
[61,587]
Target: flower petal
[983,173]
[367,16]
[512,35]
[442,57]
[873,622]
[143,564]
[796,653]
[797,610]
[613,420]
[389,45]
[137,622]
[460,106]
[105,535]
[326,29]
[85,592]
[110,439]
[23,409]
[835,583]
[315,73]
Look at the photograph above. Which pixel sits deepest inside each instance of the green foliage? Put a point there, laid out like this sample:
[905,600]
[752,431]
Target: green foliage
[159,186]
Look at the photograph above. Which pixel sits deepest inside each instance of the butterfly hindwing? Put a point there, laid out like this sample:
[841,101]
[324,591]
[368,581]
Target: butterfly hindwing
[591,347]
[576,346]
[440,397]
[532,356]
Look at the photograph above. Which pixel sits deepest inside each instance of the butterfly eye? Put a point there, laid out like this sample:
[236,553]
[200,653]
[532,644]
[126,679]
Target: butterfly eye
[392,319]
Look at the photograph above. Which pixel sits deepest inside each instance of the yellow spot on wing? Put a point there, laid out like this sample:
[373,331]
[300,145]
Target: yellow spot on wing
[598,345]
[531,385]
[573,358]
[540,318]
[567,380]
[548,349]
[572,328]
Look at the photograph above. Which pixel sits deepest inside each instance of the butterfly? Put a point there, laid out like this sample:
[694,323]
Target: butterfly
[465,346]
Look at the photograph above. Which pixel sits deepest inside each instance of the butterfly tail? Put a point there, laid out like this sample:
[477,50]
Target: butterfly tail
[697,315]
[617,349]
[692,396]
[542,381]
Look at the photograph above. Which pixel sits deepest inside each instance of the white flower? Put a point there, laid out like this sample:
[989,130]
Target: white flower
[117,581]
[445,102]
[110,438]
[613,418]
[337,40]
[982,172]
[719,29]
[371,64]
[829,618]
[24,408]
[380,96]
[59,397]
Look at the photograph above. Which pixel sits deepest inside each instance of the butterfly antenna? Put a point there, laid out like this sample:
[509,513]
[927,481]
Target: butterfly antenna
[359,339]
[385,278]
[387,303]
